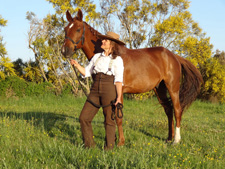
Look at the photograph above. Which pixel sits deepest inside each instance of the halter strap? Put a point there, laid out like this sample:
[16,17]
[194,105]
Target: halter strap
[81,38]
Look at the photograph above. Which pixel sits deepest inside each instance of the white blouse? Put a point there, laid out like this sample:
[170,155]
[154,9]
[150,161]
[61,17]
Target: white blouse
[102,66]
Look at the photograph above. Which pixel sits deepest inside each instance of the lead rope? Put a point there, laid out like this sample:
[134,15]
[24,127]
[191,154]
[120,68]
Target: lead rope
[119,106]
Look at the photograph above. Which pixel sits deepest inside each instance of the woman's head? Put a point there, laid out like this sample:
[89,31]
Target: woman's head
[106,44]
[110,43]
[111,47]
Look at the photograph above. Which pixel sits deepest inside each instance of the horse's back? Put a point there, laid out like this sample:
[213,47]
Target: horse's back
[146,68]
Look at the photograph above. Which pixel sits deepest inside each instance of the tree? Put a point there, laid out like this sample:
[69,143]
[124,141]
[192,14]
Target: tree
[2,46]
[149,23]
[6,67]
[45,38]
[32,72]
[19,67]
[220,56]
[87,6]
[214,80]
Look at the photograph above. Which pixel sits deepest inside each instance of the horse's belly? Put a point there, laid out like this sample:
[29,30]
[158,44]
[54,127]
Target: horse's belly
[140,85]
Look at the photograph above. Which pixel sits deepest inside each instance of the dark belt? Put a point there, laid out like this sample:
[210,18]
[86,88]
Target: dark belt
[103,77]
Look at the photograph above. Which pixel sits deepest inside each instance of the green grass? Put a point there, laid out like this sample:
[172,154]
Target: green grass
[44,132]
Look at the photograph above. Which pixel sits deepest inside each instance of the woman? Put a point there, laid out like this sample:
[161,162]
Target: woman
[106,69]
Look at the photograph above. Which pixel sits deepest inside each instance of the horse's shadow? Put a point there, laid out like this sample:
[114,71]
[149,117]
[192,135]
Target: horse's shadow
[151,135]
[48,122]
[148,134]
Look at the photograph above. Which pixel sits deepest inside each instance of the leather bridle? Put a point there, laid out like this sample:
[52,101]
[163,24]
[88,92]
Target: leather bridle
[81,39]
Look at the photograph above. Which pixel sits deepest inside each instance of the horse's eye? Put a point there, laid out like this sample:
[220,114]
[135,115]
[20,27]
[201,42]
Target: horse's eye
[78,30]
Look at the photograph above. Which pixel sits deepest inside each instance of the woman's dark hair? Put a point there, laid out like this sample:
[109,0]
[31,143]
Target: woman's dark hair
[115,49]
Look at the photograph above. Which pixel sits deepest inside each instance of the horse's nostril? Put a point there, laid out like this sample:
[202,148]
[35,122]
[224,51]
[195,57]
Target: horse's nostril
[63,51]
[66,51]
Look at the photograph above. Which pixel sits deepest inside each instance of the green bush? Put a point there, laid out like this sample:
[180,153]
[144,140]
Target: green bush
[141,96]
[12,86]
[34,89]
[15,86]
[67,90]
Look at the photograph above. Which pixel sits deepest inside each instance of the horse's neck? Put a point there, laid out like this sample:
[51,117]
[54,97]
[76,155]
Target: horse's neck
[123,50]
[92,44]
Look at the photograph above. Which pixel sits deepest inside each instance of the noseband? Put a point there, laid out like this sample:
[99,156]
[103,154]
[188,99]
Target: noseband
[81,39]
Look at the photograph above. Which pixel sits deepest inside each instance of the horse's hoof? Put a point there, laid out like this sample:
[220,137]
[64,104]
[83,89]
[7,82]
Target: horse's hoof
[176,142]
[121,143]
[168,141]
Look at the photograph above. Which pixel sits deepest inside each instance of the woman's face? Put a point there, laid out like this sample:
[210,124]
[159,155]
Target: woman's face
[106,45]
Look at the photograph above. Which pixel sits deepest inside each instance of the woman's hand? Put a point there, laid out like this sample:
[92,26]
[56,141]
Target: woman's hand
[119,92]
[74,63]
[118,100]
[80,68]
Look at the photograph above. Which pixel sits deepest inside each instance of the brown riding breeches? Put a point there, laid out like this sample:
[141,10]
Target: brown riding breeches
[103,91]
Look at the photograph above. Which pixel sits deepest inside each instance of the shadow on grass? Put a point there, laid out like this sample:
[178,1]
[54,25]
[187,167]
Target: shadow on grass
[152,136]
[56,125]
[49,122]
[148,133]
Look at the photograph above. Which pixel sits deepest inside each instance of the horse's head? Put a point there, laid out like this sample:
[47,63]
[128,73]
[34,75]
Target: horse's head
[74,34]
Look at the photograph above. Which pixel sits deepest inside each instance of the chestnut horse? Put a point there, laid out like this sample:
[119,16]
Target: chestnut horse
[145,69]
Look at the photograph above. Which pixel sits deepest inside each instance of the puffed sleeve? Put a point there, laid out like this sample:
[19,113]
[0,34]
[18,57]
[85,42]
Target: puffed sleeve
[119,69]
[90,66]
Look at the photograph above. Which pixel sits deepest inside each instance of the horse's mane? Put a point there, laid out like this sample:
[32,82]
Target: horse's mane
[93,31]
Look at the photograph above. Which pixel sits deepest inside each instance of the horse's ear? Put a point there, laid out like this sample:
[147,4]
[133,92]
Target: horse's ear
[68,16]
[79,15]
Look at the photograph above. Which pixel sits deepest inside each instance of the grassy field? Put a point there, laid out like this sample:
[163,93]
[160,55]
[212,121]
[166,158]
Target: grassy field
[44,132]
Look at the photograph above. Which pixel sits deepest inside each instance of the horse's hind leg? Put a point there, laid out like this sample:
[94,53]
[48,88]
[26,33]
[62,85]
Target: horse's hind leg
[174,94]
[161,92]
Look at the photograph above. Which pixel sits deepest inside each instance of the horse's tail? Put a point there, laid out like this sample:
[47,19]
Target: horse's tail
[190,84]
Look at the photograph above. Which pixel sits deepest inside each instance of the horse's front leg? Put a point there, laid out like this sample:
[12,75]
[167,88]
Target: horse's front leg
[119,122]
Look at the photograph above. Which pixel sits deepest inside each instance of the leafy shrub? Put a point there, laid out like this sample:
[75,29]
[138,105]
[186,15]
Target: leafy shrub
[14,84]
[67,89]
[141,96]
[34,89]
[214,80]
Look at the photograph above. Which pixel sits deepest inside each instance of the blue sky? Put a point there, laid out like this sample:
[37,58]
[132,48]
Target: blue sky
[209,14]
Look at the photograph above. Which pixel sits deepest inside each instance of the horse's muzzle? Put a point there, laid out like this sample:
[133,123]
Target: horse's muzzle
[66,51]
